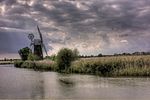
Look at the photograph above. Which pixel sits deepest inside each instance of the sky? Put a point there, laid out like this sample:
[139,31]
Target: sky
[91,26]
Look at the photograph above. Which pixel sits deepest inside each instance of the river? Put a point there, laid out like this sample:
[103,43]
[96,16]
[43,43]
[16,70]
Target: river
[18,83]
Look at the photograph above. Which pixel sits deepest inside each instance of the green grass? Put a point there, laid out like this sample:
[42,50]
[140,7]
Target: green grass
[103,66]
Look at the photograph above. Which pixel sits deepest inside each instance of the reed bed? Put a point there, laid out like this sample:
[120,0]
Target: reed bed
[37,65]
[103,66]
[113,66]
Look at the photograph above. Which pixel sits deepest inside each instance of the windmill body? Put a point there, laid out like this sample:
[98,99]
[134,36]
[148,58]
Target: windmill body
[38,48]
[38,45]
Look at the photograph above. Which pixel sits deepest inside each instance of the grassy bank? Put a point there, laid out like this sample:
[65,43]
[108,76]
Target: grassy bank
[37,65]
[103,66]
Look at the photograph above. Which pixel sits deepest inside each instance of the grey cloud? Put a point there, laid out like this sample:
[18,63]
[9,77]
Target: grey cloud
[92,22]
[8,2]
[18,9]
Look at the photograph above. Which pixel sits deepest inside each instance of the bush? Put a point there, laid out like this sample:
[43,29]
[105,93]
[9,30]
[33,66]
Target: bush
[33,57]
[28,64]
[52,57]
[64,58]
[46,66]
[18,64]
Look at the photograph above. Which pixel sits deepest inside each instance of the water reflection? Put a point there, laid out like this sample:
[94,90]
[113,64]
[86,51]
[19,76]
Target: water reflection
[16,83]
[27,84]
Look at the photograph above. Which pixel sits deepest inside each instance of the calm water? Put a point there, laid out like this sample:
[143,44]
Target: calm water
[27,84]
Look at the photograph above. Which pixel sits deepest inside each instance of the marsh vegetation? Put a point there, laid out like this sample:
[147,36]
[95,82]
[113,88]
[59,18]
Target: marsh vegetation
[114,66]
[102,66]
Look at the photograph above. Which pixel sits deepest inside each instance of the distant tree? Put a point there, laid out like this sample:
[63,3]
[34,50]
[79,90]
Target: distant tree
[115,54]
[5,59]
[81,56]
[91,56]
[143,53]
[125,54]
[24,52]
[85,56]
[136,53]
[100,55]
[75,54]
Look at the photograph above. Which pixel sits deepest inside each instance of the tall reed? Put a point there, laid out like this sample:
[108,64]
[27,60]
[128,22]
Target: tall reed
[113,66]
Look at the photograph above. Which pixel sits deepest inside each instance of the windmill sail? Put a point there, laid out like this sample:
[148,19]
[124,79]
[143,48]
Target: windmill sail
[42,44]
[40,34]
[45,49]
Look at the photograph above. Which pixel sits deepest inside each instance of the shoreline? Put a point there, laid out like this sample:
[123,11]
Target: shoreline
[127,66]
[5,63]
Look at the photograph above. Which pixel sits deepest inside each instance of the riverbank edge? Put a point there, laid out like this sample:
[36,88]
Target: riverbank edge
[6,63]
[110,68]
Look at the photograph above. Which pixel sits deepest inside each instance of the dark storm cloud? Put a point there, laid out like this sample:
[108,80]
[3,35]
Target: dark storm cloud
[104,25]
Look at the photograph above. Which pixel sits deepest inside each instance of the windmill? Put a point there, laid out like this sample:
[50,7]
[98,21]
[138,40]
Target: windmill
[38,44]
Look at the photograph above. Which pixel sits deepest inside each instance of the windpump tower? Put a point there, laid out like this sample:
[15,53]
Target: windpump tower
[38,44]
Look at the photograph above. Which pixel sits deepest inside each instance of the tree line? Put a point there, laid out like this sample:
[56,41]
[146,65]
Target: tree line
[116,54]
